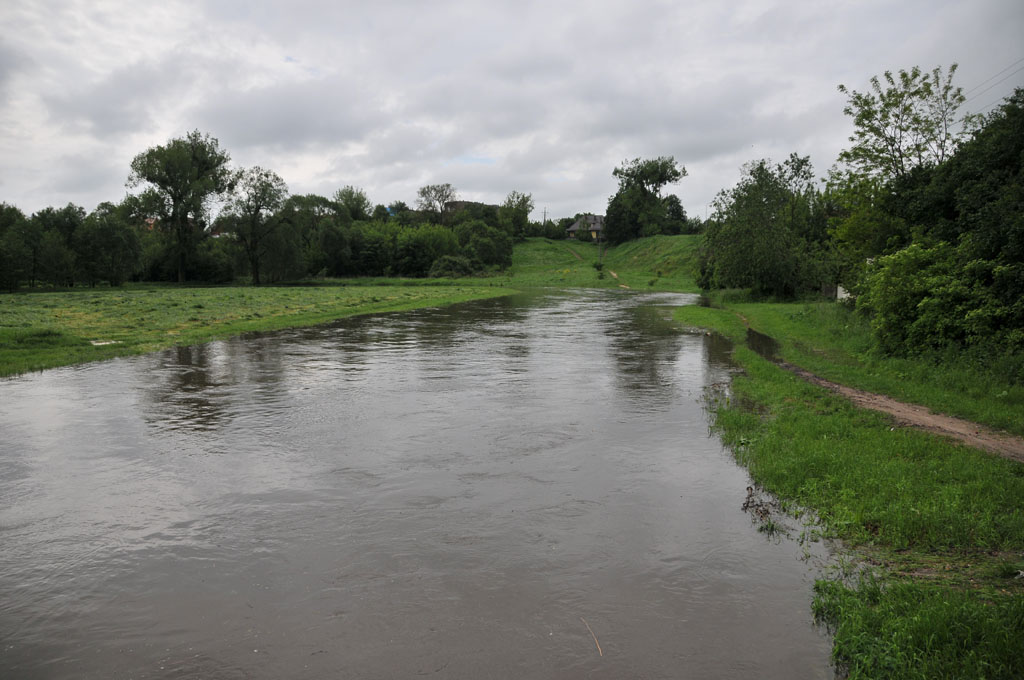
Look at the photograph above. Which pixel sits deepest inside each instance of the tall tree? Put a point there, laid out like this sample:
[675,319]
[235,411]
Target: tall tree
[435,198]
[354,201]
[14,254]
[186,173]
[650,174]
[107,248]
[515,213]
[760,236]
[64,220]
[910,121]
[637,208]
[58,227]
[675,215]
[258,194]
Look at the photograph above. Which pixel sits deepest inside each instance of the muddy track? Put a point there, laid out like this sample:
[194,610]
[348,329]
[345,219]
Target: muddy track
[913,415]
[905,415]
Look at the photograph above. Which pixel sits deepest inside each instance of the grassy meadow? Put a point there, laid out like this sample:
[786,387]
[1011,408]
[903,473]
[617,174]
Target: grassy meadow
[940,525]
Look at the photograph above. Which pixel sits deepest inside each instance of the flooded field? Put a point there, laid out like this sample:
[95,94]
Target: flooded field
[522,487]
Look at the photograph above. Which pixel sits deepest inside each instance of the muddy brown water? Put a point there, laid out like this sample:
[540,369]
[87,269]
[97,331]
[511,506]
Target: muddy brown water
[514,488]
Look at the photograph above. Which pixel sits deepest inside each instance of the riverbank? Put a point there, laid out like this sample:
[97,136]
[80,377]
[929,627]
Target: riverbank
[45,330]
[937,528]
[40,330]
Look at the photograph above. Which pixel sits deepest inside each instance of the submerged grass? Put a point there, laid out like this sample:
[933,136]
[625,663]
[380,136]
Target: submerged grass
[43,330]
[943,523]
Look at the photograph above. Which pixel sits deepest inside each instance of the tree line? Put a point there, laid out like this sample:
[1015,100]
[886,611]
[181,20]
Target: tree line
[921,219]
[165,232]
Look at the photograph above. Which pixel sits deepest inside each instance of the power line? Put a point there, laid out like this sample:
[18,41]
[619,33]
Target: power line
[995,83]
[990,105]
[995,76]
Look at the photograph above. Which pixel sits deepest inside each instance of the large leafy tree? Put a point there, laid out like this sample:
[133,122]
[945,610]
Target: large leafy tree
[108,248]
[313,220]
[249,214]
[763,236]
[57,228]
[514,214]
[637,208]
[961,283]
[650,174]
[905,121]
[353,204]
[15,255]
[184,174]
[435,198]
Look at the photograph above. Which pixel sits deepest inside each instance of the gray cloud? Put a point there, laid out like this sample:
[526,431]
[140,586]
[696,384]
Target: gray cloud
[123,102]
[290,115]
[489,96]
[12,61]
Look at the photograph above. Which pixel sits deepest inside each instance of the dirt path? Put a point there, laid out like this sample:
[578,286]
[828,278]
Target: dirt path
[616,277]
[906,415]
[913,415]
[574,253]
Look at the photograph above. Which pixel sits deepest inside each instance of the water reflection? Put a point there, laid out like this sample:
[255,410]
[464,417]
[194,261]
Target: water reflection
[443,492]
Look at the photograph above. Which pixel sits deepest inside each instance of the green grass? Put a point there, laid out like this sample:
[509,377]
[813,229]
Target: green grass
[657,263]
[834,342]
[916,631]
[666,260]
[940,521]
[43,330]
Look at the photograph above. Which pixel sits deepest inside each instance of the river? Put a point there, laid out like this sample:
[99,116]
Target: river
[521,487]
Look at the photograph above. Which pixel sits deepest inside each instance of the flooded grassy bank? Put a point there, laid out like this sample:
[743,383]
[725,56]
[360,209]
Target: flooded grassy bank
[41,330]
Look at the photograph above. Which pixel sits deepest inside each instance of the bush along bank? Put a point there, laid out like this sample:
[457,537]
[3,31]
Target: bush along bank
[937,528]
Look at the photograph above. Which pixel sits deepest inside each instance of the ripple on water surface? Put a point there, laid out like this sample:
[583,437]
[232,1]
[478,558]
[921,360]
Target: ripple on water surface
[489,490]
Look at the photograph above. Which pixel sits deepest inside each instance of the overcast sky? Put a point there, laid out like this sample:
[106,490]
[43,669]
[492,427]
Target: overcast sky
[541,97]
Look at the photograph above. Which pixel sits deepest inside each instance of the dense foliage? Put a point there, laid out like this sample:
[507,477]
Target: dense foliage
[166,233]
[923,220]
[638,209]
[959,283]
[768,232]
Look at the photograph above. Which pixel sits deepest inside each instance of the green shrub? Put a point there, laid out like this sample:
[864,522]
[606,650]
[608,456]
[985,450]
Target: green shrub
[451,266]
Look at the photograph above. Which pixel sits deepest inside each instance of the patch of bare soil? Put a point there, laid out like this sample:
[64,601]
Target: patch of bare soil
[913,415]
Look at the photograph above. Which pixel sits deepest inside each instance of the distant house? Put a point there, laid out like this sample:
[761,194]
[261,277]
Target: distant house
[592,223]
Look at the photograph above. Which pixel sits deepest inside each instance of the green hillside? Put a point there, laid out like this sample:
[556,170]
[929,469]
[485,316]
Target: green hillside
[655,263]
